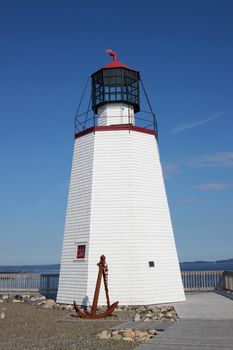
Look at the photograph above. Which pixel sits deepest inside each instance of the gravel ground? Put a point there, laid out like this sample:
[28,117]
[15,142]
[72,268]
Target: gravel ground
[27,327]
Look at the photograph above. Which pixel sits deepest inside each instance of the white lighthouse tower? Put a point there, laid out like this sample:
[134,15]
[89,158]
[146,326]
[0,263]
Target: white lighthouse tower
[117,203]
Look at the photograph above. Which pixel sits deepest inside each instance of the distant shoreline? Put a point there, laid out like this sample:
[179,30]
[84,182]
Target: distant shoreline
[208,262]
[57,266]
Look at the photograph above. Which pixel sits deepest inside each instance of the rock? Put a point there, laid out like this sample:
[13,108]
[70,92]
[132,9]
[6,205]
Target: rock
[16,301]
[170,308]
[141,308]
[40,303]
[50,304]
[19,297]
[147,319]
[1,301]
[152,331]
[155,309]
[33,299]
[154,318]
[104,335]
[161,315]
[128,333]
[117,337]
[127,339]
[144,338]
[149,315]
[42,298]
[114,332]
[169,314]
[5,297]
[137,318]
[164,309]
[26,297]
[69,307]
[140,333]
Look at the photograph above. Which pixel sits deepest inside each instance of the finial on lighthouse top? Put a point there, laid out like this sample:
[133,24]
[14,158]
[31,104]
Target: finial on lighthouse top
[112,53]
[115,63]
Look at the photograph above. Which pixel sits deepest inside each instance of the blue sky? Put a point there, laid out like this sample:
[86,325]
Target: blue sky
[184,51]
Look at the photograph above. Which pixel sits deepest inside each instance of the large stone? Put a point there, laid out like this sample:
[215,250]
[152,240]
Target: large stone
[140,333]
[117,337]
[26,297]
[144,338]
[128,339]
[155,318]
[164,309]
[169,314]
[114,332]
[50,304]
[137,318]
[16,301]
[1,301]
[147,319]
[155,309]
[69,307]
[152,331]
[104,335]
[141,308]
[5,297]
[128,333]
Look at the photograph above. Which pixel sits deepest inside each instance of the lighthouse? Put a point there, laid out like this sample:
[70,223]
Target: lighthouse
[117,203]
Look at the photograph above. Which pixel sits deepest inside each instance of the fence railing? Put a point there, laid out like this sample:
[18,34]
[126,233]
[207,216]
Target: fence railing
[12,283]
[203,280]
[47,284]
[228,280]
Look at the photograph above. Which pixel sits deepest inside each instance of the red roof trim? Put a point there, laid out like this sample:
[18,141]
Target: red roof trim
[117,64]
[115,127]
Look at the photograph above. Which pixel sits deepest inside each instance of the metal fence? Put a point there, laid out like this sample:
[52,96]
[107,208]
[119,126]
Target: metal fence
[228,280]
[203,280]
[12,283]
[47,284]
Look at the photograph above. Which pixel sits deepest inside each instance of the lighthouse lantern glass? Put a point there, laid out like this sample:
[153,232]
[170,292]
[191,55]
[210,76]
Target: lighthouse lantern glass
[115,85]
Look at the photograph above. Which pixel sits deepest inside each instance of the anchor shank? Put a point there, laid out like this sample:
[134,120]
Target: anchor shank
[97,288]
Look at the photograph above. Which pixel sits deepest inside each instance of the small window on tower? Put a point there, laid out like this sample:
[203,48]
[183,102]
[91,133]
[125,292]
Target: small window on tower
[81,249]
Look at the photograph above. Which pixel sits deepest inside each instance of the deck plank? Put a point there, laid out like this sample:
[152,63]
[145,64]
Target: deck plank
[206,322]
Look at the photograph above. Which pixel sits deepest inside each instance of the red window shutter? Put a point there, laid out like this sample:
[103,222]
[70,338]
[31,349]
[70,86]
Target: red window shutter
[81,251]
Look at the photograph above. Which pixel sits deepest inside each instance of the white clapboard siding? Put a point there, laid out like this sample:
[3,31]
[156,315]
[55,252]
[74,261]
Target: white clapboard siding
[129,223]
[115,113]
[73,273]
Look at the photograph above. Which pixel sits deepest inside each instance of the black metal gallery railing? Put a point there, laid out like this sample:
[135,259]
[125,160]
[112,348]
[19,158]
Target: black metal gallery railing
[142,119]
[145,118]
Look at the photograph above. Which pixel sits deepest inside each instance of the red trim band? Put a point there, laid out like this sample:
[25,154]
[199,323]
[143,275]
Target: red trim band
[115,127]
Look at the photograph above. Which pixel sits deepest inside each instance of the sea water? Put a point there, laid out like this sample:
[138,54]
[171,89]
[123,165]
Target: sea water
[55,268]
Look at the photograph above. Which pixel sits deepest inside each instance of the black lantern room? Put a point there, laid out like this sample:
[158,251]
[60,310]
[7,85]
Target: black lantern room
[115,82]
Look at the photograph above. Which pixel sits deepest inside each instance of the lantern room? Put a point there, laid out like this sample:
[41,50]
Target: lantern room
[117,98]
[115,92]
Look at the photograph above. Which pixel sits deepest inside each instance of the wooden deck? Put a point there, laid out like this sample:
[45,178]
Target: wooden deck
[206,322]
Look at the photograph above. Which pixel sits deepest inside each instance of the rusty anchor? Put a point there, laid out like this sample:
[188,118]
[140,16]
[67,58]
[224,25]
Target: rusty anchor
[103,271]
